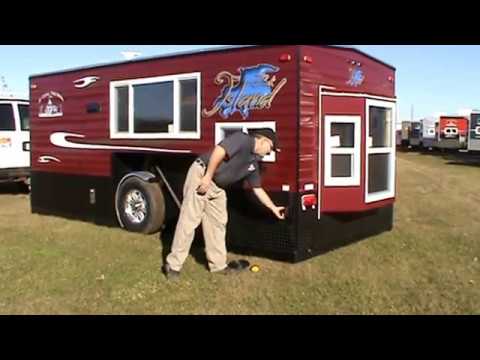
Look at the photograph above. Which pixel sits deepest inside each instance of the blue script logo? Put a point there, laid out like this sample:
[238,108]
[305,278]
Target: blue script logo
[253,89]
[356,77]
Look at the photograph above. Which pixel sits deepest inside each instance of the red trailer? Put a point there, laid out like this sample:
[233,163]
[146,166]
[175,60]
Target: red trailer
[334,109]
[452,132]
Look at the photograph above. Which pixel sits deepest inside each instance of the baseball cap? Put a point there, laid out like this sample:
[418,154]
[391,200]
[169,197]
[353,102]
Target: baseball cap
[269,134]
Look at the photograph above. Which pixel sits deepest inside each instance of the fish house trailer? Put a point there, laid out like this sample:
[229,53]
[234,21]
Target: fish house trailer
[405,133]
[333,109]
[474,138]
[452,132]
[415,135]
[428,132]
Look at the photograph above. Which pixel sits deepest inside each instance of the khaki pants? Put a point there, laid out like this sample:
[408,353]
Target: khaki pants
[211,211]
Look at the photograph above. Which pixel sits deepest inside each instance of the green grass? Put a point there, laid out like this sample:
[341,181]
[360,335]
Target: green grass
[428,265]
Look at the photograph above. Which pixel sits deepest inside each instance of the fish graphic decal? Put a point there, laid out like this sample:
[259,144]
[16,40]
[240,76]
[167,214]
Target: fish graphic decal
[254,88]
[357,77]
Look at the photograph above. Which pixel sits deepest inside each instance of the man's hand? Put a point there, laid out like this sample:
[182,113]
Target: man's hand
[279,212]
[204,185]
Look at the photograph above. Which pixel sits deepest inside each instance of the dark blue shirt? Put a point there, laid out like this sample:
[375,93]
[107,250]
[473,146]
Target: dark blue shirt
[241,162]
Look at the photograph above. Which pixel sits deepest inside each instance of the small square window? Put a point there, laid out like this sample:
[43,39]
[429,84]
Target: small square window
[341,166]
[346,134]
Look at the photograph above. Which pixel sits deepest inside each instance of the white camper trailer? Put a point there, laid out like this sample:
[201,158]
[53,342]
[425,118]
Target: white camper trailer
[414,137]
[14,139]
[428,135]
[474,136]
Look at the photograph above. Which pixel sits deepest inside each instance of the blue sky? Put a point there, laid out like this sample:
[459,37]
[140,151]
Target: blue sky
[434,79]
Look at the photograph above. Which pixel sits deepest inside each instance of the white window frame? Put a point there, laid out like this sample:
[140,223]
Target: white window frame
[390,193]
[353,180]
[244,126]
[177,134]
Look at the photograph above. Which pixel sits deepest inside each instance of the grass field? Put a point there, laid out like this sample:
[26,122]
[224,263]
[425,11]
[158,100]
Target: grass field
[428,265]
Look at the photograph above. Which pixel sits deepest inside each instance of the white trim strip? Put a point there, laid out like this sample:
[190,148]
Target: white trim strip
[46,159]
[60,140]
[344,94]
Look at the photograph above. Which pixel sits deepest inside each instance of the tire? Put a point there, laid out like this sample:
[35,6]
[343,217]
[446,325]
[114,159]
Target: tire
[141,206]
[23,187]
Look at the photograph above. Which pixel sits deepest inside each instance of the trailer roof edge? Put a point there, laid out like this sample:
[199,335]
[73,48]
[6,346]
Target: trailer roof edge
[193,52]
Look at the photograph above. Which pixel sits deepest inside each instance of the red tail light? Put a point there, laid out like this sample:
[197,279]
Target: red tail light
[308,59]
[285,58]
[309,201]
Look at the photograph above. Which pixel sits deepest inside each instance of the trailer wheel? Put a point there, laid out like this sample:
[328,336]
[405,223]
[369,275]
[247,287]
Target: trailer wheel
[141,206]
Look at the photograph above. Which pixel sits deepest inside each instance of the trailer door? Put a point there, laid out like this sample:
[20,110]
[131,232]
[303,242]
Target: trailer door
[356,152]
[340,153]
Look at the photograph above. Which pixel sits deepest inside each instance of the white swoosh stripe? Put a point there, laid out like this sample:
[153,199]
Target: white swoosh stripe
[85,82]
[59,139]
[47,159]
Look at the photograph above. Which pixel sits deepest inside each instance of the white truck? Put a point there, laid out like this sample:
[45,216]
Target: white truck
[14,139]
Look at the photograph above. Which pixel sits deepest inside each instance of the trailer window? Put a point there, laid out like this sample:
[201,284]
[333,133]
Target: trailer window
[24,113]
[166,107]
[7,120]
[378,174]
[342,151]
[153,108]
[380,127]
[122,107]
[380,156]
[222,130]
[341,166]
[188,105]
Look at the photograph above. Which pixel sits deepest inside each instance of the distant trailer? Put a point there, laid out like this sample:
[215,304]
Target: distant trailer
[406,128]
[428,134]
[474,138]
[398,137]
[414,136]
[14,139]
[452,133]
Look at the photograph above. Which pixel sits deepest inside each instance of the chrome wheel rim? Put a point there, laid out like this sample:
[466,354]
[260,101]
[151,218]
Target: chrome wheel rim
[135,207]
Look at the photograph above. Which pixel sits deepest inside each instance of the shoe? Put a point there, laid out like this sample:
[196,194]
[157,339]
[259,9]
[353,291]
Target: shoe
[228,271]
[235,267]
[169,273]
